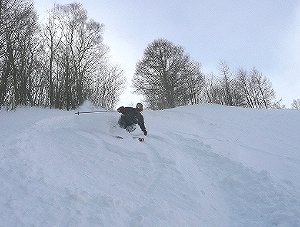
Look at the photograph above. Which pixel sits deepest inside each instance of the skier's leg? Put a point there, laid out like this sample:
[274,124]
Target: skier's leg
[131,128]
[122,122]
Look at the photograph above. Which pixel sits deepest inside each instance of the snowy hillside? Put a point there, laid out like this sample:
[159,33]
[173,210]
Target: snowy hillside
[204,165]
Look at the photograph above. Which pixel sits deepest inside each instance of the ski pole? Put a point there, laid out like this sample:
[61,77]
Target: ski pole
[87,112]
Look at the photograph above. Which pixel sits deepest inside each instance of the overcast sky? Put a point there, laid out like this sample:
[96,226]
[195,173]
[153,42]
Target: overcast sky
[264,34]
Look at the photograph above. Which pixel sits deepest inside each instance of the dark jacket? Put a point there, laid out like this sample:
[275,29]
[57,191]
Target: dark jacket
[131,116]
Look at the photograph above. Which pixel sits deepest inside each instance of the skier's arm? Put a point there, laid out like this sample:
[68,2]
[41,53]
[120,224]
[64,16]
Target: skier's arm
[121,109]
[142,124]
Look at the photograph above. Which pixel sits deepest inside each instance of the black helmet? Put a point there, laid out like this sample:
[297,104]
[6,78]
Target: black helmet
[139,106]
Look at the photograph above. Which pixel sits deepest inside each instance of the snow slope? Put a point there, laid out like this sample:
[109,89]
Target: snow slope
[204,165]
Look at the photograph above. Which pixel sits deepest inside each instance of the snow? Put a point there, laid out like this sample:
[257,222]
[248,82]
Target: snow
[202,165]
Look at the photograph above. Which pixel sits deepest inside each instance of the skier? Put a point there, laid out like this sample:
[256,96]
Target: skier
[132,116]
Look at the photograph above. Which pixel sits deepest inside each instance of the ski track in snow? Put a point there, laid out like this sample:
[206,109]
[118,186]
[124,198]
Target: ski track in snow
[251,195]
[171,179]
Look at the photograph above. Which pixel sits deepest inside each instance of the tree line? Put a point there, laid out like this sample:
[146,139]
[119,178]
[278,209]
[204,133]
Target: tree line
[63,61]
[167,77]
[57,64]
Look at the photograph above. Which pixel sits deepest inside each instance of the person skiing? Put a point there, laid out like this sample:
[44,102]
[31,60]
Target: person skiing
[132,116]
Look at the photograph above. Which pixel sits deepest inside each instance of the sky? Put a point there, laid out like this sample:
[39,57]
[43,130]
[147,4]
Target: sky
[200,165]
[245,34]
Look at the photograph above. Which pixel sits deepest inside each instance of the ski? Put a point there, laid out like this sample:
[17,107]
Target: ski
[141,139]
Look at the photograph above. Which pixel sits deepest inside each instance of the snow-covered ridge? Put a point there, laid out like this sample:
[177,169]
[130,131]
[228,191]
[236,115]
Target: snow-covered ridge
[204,165]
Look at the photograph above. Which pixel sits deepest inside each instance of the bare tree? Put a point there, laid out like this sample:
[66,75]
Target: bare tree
[108,87]
[226,84]
[251,90]
[191,84]
[243,87]
[264,95]
[296,104]
[75,56]
[51,40]
[210,93]
[166,76]
[18,24]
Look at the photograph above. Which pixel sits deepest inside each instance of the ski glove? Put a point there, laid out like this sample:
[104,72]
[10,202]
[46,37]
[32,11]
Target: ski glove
[145,132]
[121,109]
